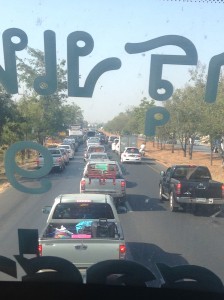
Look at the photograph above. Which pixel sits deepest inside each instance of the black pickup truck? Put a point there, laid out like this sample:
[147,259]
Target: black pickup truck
[191,186]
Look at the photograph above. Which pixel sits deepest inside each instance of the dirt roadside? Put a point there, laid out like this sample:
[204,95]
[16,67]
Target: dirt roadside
[166,157]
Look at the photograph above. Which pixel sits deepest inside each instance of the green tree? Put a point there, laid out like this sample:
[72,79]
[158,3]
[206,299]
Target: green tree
[46,115]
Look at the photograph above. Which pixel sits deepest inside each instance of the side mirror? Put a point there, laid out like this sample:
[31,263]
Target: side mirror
[46,209]
[162,173]
[121,210]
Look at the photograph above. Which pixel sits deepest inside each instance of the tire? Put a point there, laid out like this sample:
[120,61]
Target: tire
[60,169]
[161,192]
[173,208]
[122,200]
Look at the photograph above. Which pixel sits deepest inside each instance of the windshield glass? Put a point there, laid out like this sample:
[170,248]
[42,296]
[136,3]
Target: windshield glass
[146,72]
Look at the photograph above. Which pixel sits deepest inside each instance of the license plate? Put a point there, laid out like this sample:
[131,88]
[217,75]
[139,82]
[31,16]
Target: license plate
[200,199]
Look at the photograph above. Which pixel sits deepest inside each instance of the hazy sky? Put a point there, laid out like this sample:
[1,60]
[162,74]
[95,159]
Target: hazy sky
[112,24]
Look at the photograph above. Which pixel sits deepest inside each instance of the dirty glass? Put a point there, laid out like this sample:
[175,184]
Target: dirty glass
[150,70]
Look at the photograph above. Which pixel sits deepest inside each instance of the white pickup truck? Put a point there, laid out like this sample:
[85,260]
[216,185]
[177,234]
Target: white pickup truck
[58,159]
[104,177]
[83,229]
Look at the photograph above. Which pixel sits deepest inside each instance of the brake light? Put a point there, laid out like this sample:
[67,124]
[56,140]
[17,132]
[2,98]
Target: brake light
[122,251]
[178,188]
[83,185]
[40,250]
[123,183]
[222,190]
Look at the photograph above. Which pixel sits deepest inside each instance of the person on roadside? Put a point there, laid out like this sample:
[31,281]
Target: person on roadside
[222,150]
[142,149]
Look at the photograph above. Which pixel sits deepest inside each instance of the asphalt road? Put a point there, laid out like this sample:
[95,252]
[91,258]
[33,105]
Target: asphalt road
[153,233]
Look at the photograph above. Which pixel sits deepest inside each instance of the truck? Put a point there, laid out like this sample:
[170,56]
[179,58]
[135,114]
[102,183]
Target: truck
[76,131]
[58,159]
[83,229]
[190,186]
[104,177]
[125,141]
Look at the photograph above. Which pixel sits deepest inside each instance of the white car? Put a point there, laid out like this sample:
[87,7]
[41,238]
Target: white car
[70,149]
[94,141]
[131,154]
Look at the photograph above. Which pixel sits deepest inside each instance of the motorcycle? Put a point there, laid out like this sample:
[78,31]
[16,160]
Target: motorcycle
[142,152]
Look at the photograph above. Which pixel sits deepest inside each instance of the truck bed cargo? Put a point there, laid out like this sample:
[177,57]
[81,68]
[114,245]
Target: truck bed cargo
[83,229]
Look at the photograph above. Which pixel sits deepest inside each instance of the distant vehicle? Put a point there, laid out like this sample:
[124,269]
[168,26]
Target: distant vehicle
[171,141]
[90,133]
[101,156]
[131,155]
[93,148]
[197,142]
[113,145]
[111,139]
[73,141]
[93,141]
[104,177]
[65,153]
[70,149]
[126,141]
[58,159]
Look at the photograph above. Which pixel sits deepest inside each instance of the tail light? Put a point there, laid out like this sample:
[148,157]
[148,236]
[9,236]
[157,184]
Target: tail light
[40,250]
[222,190]
[123,184]
[178,188]
[122,251]
[83,185]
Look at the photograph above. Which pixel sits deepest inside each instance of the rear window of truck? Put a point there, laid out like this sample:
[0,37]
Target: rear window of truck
[83,211]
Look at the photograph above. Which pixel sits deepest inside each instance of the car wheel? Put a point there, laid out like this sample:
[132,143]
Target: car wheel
[161,192]
[122,200]
[173,208]
[60,169]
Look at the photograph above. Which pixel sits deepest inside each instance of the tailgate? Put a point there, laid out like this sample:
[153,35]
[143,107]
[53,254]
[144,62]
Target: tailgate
[82,253]
[203,189]
[108,186]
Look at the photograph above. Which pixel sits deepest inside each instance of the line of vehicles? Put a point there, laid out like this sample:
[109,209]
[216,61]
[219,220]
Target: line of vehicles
[84,228]
[61,153]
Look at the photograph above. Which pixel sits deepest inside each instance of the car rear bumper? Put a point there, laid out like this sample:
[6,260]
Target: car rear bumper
[132,160]
[208,201]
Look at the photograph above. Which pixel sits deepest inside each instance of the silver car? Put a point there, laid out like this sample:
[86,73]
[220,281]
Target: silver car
[101,156]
